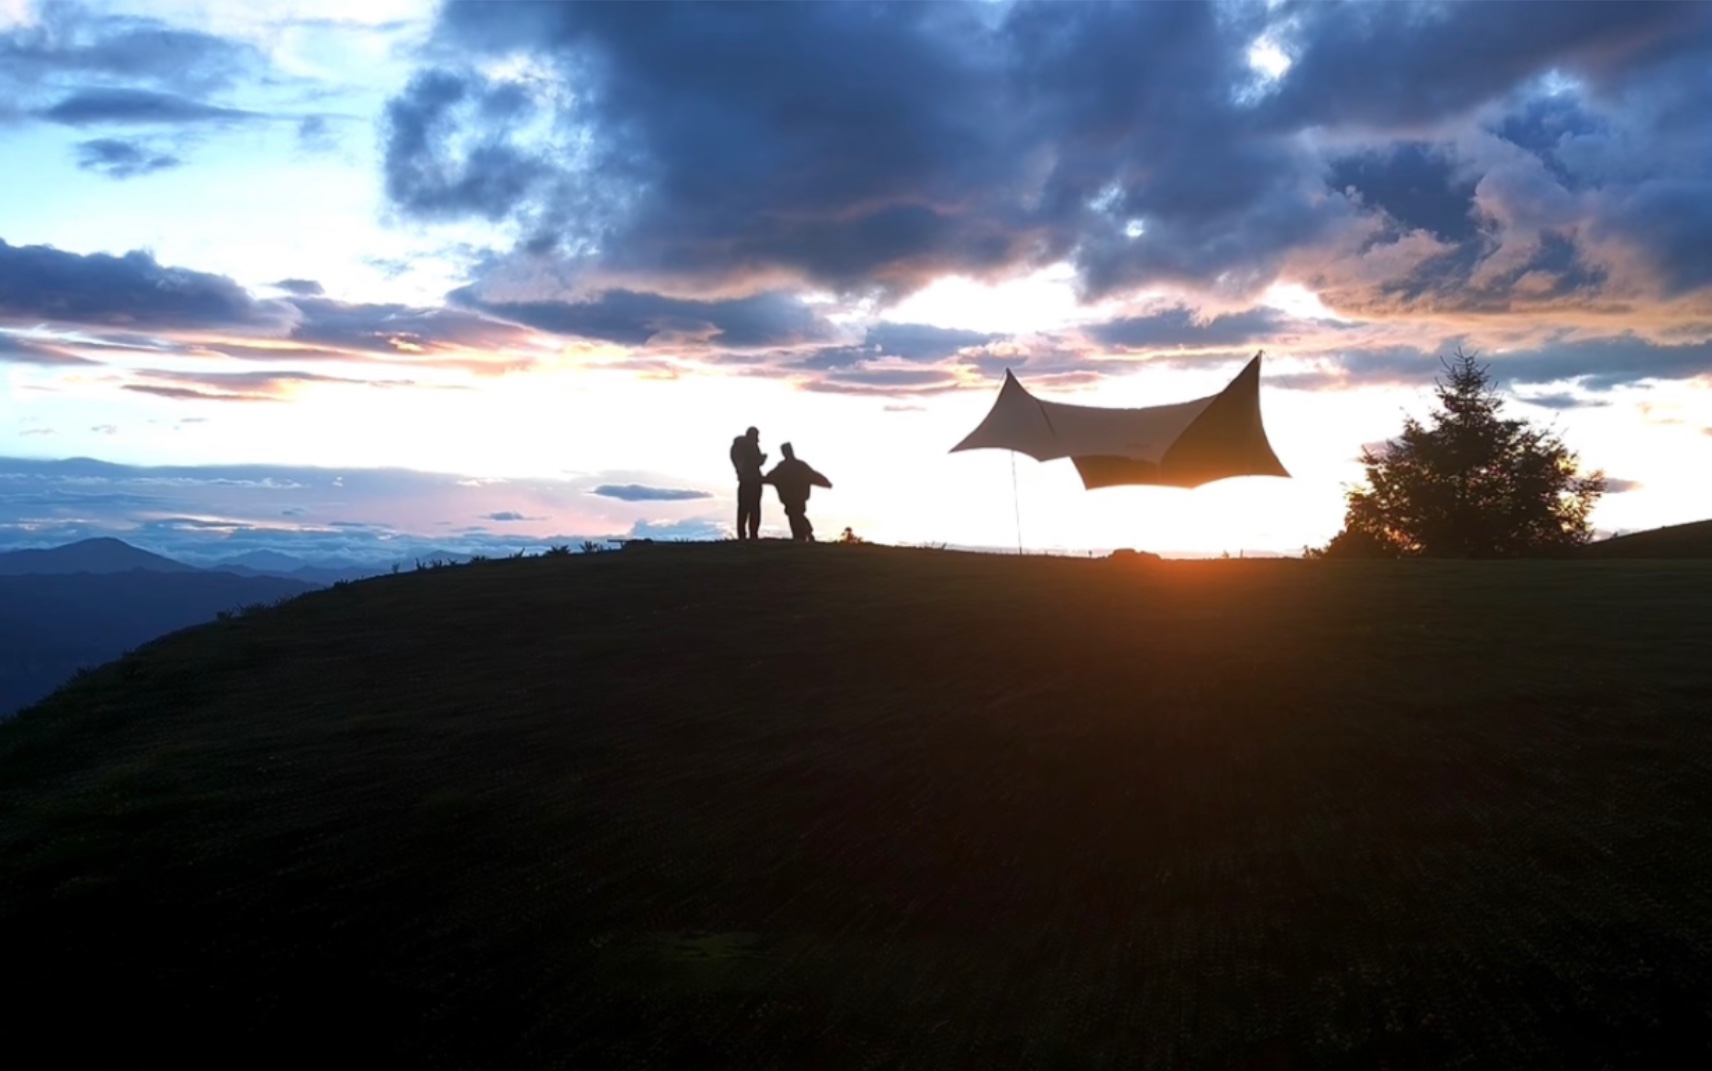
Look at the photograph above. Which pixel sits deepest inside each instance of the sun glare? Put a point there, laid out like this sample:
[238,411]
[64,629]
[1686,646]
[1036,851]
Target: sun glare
[1268,59]
[1297,300]
[1041,301]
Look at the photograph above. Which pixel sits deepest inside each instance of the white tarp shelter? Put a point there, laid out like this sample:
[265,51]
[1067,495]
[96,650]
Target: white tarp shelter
[1182,445]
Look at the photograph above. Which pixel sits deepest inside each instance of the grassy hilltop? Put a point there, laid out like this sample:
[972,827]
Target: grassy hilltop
[779,806]
[1692,540]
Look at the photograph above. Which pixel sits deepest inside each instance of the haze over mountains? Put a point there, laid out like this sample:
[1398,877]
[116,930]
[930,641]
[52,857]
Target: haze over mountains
[99,556]
[67,608]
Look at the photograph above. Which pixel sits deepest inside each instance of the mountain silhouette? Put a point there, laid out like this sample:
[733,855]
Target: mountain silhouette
[87,556]
[54,624]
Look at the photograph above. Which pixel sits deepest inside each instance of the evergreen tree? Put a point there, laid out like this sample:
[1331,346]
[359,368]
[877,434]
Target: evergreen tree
[1468,484]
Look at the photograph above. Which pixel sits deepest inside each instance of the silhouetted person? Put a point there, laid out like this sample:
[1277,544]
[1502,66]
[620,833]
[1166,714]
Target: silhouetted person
[747,458]
[794,480]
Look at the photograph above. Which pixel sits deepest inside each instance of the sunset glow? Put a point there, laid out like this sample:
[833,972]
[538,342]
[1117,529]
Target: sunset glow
[511,254]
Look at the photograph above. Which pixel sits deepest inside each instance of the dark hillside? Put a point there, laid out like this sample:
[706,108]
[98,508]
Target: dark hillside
[51,626]
[87,556]
[783,806]
[1676,541]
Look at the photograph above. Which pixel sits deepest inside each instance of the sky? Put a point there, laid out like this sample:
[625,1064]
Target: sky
[354,280]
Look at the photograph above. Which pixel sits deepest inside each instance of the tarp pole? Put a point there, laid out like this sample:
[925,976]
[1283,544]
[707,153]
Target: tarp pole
[1016,502]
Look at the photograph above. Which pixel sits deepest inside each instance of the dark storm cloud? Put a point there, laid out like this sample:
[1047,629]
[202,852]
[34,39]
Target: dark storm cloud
[489,181]
[1414,185]
[1540,125]
[70,40]
[1672,217]
[1182,327]
[922,342]
[1398,65]
[634,492]
[1460,279]
[136,106]
[632,318]
[144,307]
[713,147]
[1605,363]
[117,158]
[730,140]
[1021,135]
[40,283]
[394,330]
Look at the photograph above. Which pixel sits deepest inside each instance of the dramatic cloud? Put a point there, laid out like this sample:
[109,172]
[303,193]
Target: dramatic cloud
[15,350]
[1407,159]
[1417,186]
[885,345]
[68,40]
[1182,327]
[636,319]
[740,205]
[122,159]
[921,342]
[135,106]
[140,306]
[39,283]
[394,329]
[1593,366]
[1605,363]
[632,492]
[1402,65]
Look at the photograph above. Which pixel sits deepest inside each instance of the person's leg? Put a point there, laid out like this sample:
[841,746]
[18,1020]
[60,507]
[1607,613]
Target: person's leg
[748,511]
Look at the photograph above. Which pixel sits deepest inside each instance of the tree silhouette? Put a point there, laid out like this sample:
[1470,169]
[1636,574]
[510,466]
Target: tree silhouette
[1468,484]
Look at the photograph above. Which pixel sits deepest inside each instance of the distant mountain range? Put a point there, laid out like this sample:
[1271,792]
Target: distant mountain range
[82,604]
[53,624]
[66,608]
[117,556]
[88,556]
